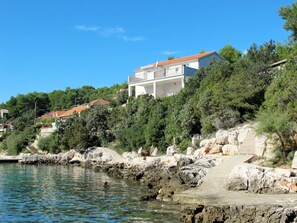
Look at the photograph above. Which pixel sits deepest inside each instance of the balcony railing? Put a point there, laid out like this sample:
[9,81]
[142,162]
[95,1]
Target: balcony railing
[158,73]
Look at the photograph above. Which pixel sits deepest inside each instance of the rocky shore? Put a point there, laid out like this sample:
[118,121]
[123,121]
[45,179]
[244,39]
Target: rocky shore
[168,176]
[218,182]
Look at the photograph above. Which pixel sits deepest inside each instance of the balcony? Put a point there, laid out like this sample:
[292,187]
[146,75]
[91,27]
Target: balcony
[159,73]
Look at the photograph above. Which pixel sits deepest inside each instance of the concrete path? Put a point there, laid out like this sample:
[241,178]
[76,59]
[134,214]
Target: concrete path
[248,145]
[212,190]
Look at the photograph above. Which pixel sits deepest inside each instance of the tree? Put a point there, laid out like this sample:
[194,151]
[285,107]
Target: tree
[264,54]
[97,126]
[278,114]
[289,14]
[230,53]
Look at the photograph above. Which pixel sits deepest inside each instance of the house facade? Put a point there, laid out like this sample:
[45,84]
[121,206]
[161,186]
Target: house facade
[166,78]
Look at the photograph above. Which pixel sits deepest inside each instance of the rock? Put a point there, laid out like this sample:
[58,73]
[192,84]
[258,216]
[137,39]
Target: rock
[208,144]
[171,150]
[154,151]
[77,158]
[238,213]
[262,180]
[232,138]
[100,154]
[216,150]
[260,145]
[196,140]
[140,150]
[130,155]
[264,146]
[238,179]
[222,137]
[230,149]
[192,174]
[243,133]
[190,150]
[198,153]
[294,162]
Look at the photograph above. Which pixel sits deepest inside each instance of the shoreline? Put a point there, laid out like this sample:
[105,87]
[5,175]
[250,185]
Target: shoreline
[174,179]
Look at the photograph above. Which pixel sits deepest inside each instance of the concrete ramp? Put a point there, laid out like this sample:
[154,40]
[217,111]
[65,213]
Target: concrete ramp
[214,182]
[248,145]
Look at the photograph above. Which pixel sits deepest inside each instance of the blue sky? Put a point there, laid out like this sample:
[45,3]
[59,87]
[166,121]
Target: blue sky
[47,45]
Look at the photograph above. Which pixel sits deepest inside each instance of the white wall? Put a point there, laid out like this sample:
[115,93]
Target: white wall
[140,90]
[168,89]
[193,65]
[139,75]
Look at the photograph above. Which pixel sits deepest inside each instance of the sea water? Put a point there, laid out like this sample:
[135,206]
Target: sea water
[40,193]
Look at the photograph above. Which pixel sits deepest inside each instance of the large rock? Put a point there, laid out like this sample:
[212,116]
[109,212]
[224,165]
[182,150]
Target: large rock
[198,153]
[232,138]
[130,155]
[264,146]
[261,180]
[171,150]
[260,145]
[190,150]
[243,133]
[77,158]
[154,151]
[100,154]
[196,140]
[230,149]
[222,137]
[192,174]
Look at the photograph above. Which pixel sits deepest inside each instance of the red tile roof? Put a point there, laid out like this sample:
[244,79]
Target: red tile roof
[77,109]
[53,114]
[99,102]
[179,60]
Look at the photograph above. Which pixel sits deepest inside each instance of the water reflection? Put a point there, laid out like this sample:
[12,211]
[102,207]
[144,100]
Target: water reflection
[57,193]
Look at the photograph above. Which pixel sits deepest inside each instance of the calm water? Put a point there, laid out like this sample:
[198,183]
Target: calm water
[71,194]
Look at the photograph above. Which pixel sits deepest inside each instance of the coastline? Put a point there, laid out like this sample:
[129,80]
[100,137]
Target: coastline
[176,179]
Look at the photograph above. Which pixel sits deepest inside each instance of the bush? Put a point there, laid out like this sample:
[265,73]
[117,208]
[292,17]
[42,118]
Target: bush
[49,144]
[17,141]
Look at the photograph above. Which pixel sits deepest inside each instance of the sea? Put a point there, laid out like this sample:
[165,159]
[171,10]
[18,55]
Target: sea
[43,193]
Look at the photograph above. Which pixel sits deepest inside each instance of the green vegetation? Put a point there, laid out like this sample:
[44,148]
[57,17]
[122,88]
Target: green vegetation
[226,93]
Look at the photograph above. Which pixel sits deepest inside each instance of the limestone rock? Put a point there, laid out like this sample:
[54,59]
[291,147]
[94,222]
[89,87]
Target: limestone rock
[154,151]
[294,162]
[100,154]
[243,133]
[232,138]
[222,137]
[140,150]
[190,150]
[198,153]
[77,158]
[196,140]
[230,149]
[260,145]
[191,174]
[261,180]
[130,155]
[171,150]
[215,150]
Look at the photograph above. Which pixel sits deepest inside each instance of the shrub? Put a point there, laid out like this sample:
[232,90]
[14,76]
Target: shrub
[49,144]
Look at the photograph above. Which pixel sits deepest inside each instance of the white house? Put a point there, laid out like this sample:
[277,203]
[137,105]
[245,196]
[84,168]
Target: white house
[166,78]
[3,113]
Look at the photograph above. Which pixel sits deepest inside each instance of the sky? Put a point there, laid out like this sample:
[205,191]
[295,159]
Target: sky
[48,45]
